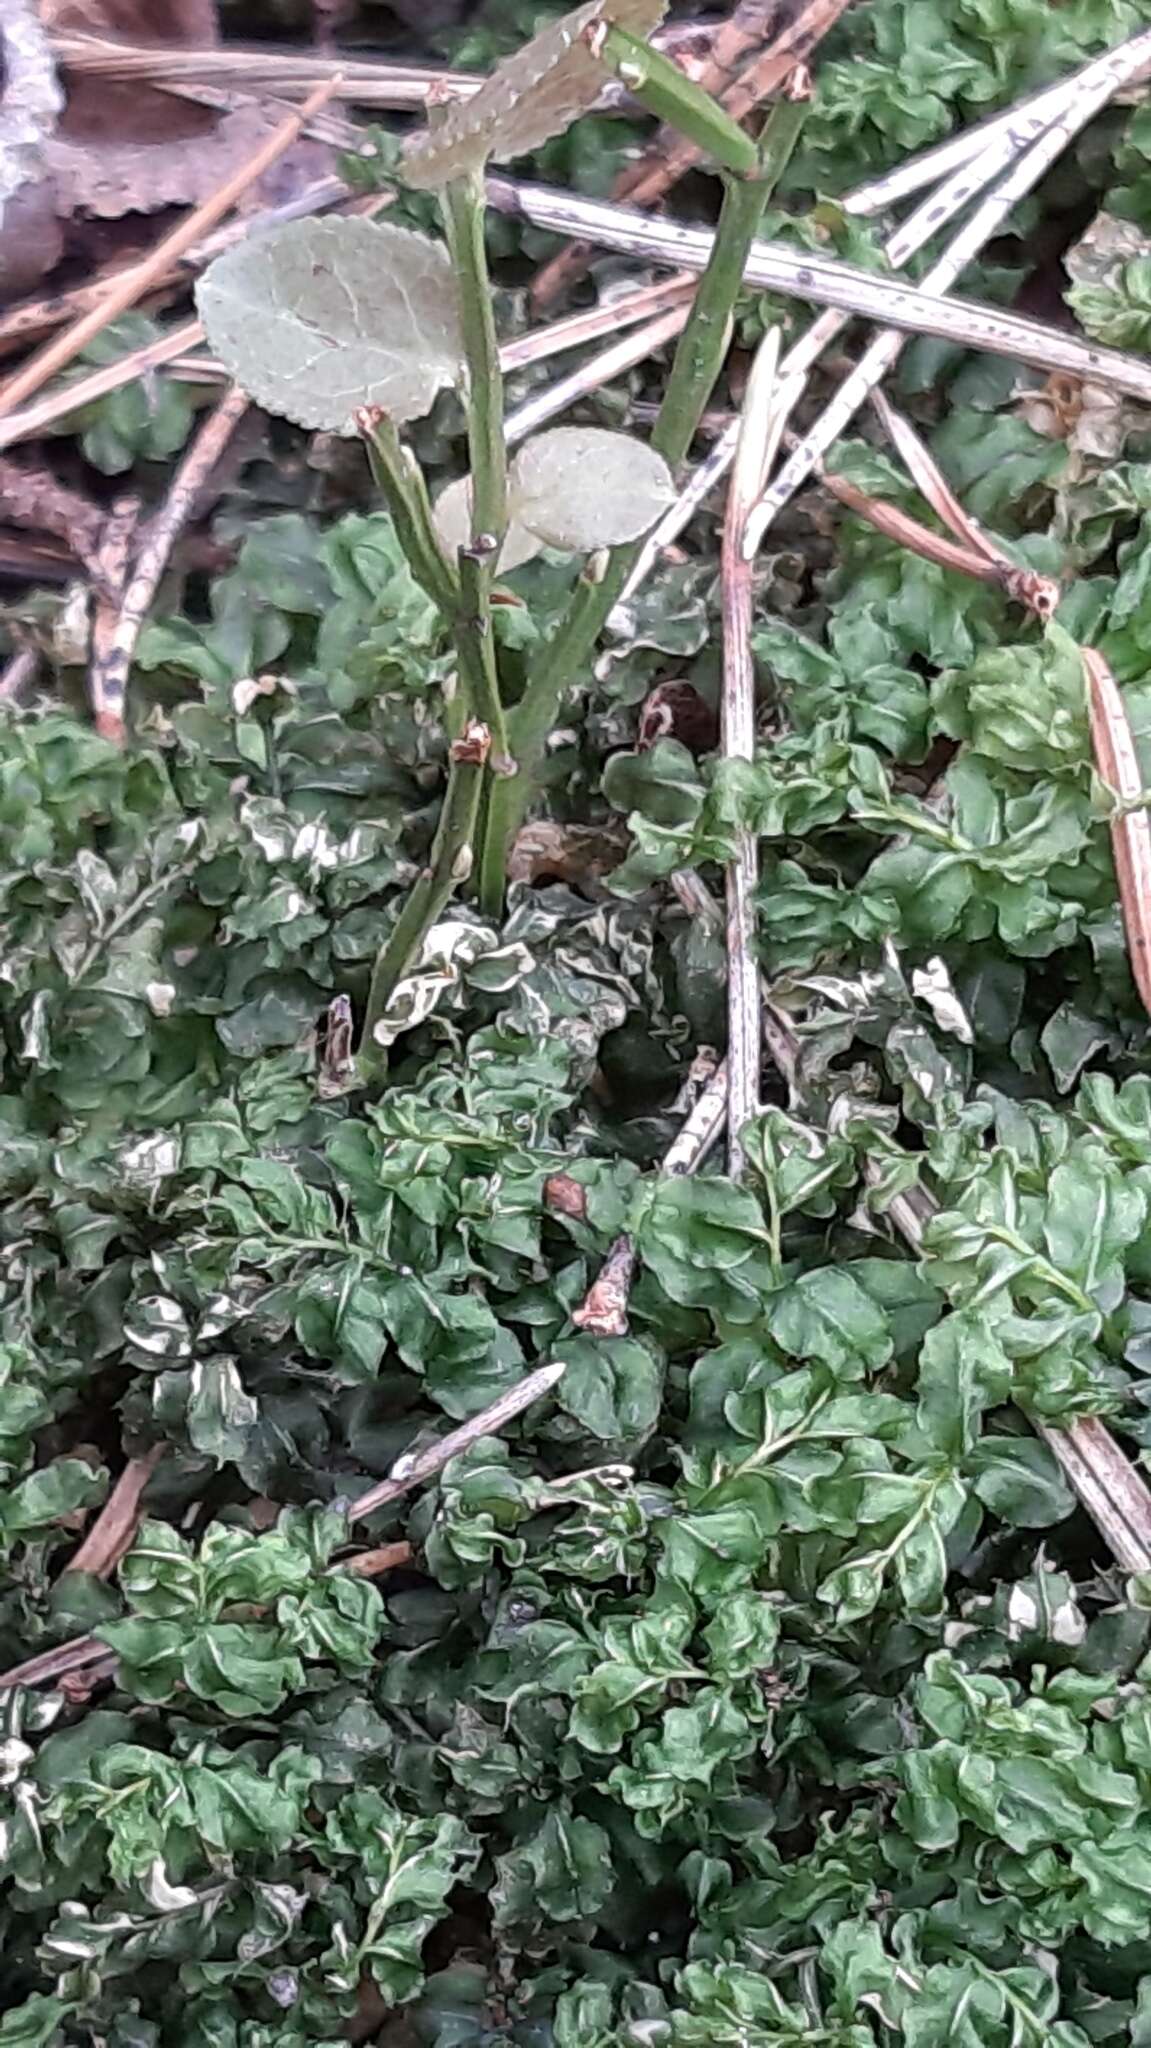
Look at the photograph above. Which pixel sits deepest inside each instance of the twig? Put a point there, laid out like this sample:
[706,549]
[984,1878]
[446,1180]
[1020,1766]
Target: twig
[113,1531]
[645,183]
[753,454]
[1038,594]
[63,400]
[576,329]
[110,670]
[408,1472]
[1118,766]
[604,1309]
[19,672]
[113,567]
[595,372]
[35,498]
[260,72]
[129,288]
[414,1468]
[1016,127]
[369,1564]
[57,1663]
[823,280]
[1098,84]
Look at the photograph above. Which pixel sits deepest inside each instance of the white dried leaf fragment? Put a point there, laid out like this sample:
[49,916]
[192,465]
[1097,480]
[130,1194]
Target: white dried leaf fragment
[581,488]
[453,520]
[529,98]
[321,317]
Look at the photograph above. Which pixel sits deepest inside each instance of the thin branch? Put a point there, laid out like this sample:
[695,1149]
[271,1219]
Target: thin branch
[124,292]
[111,668]
[575,329]
[414,1468]
[19,672]
[823,280]
[1016,127]
[363,82]
[596,371]
[1098,84]
[112,567]
[114,1530]
[737,743]
[63,400]
[604,1309]
[1037,594]
[370,1564]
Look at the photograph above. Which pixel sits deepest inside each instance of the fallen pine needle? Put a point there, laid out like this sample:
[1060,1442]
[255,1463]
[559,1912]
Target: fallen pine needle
[1118,767]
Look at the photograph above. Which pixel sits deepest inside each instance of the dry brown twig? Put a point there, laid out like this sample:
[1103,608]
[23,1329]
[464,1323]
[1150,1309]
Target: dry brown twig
[670,157]
[108,682]
[113,568]
[36,499]
[759,430]
[603,1311]
[408,1472]
[57,404]
[113,1531]
[131,285]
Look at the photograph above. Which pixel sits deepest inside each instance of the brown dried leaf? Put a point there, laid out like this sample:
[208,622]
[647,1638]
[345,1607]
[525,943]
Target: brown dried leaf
[136,21]
[575,854]
[529,98]
[121,171]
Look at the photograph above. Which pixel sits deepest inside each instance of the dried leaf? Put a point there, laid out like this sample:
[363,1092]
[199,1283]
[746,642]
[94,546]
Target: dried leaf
[324,316]
[123,168]
[529,98]
[582,488]
[453,517]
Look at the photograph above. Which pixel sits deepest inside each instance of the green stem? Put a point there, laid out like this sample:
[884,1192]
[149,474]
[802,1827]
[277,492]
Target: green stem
[449,864]
[661,87]
[464,224]
[704,341]
[695,370]
[402,486]
[476,649]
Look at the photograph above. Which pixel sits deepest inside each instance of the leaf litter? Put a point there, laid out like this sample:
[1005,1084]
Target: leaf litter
[570,1598]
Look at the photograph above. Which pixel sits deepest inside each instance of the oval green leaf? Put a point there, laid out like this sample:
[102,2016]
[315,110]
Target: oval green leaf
[323,316]
[581,488]
[453,521]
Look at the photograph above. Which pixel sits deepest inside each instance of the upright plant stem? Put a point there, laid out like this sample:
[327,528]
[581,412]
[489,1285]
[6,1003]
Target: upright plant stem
[464,207]
[449,865]
[477,654]
[402,487]
[695,370]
